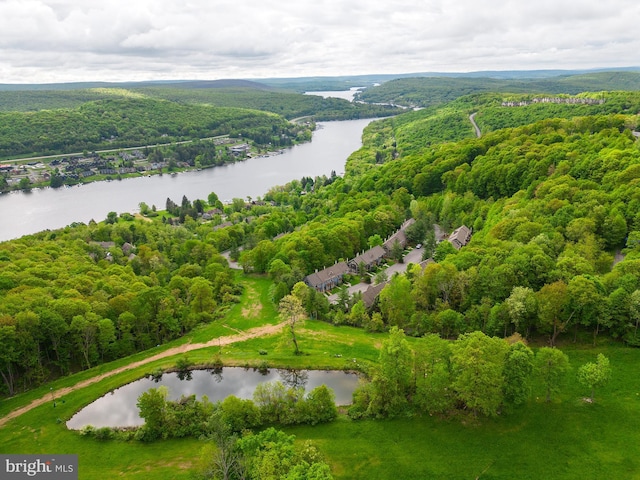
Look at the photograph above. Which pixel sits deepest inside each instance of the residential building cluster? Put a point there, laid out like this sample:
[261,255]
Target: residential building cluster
[331,277]
[558,100]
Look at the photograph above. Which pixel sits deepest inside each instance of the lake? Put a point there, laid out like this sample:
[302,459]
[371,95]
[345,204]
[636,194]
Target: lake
[41,209]
[344,94]
[118,408]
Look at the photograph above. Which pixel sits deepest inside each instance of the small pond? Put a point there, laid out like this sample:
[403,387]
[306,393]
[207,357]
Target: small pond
[118,408]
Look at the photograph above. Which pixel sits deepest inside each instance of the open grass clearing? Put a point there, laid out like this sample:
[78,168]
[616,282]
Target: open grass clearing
[567,439]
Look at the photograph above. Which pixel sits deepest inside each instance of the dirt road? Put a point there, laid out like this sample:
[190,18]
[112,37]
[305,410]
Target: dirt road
[240,337]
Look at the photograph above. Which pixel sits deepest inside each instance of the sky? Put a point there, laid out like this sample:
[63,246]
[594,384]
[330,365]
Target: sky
[45,41]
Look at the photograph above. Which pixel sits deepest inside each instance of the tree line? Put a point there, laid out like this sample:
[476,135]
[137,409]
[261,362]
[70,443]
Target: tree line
[273,403]
[77,297]
[241,439]
[476,373]
[126,122]
[554,211]
[430,91]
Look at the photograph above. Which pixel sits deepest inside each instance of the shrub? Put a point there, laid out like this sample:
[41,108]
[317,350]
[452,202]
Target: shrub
[104,433]
[319,406]
[240,414]
[87,430]
[156,375]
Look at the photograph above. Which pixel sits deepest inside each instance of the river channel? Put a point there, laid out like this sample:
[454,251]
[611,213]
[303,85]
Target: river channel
[41,209]
[118,408]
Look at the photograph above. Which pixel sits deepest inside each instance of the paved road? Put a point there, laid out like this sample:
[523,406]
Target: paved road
[414,256]
[111,150]
[232,264]
[472,119]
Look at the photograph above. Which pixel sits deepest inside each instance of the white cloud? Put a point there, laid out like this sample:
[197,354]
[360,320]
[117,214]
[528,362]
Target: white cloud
[67,40]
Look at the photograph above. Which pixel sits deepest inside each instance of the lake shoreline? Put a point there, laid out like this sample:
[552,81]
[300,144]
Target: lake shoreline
[24,213]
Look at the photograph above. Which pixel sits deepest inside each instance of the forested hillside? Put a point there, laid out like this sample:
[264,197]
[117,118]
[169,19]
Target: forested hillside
[418,131]
[289,105]
[84,295]
[550,194]
[429,91]
[41,122]
[129,121]
[553,206]
[555,253]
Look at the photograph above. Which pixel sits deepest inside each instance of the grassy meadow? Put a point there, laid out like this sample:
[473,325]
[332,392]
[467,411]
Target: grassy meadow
[567,439]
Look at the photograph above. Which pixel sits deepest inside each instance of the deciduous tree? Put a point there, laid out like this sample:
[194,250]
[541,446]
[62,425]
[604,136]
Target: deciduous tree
[594,375]
[291,308]
[396,301]
[518,367]
[553,314]
[478,362]
[522,308]
[152,405]
[432,375]
[551,366]
[391,383]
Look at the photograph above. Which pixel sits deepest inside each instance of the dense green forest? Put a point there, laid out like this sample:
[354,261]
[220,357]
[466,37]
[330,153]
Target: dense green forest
[40,122]
[125,122]
[34,100]
[87,294]
[415,132]
[550,191]
[429,91]
[551,204]
[288,104]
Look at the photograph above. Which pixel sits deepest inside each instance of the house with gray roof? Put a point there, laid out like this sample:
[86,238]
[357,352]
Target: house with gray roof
[370,258]
[371,294]
[326,279]
[460,237]
[400,236]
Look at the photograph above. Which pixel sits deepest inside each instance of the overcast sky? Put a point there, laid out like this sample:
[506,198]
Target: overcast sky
[44,41]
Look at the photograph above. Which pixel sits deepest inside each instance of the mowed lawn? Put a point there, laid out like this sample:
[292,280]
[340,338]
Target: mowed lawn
[567,439]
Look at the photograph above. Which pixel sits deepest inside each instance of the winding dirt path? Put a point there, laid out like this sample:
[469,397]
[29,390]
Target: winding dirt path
[227,340]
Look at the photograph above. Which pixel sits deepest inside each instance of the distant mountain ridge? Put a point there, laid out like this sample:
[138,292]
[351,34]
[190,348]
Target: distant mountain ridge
[296,83]
[224,83]
[430,91]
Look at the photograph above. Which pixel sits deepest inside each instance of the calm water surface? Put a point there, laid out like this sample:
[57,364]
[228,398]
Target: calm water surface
[345,94]
[42,209]
[118,408]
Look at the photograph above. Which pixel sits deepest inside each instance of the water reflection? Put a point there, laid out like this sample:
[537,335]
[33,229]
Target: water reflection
[294,378]
[216,373]
[118,408]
